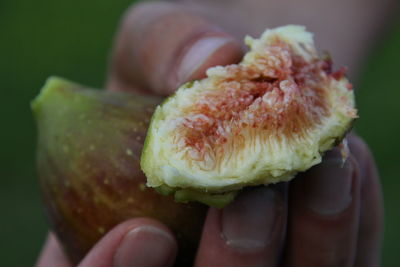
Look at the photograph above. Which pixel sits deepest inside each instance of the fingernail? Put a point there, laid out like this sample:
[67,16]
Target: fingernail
[196,55]
[328,185]
[248,222]
[146,246]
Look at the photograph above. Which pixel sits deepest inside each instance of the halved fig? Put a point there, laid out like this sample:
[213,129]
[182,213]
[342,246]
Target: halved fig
[89,146]
[254,123]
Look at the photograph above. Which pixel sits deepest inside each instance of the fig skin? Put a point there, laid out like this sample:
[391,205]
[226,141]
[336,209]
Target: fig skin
[89,146]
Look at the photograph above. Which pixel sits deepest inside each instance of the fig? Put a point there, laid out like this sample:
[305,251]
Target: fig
[254,123]
[89,146]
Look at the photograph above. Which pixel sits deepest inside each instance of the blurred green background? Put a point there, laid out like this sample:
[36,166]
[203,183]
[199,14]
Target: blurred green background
[73,39]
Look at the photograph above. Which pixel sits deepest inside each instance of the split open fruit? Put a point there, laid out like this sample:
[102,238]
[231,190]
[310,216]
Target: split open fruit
[254,123]
[89,145]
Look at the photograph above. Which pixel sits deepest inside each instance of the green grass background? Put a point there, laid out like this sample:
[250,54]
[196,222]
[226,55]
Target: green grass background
[73,39]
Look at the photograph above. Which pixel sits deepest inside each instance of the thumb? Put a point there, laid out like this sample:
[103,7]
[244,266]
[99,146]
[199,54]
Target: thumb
[161,46]
[136,242]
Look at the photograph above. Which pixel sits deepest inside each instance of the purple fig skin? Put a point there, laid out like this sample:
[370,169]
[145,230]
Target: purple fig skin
[89,146]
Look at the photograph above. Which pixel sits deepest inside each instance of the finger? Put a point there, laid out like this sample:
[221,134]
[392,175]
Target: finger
[52,254]
[137,242]
[370,231]
[324,214]
[161,45]
[248,232]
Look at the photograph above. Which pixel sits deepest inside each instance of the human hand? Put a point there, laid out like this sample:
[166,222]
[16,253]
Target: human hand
[328,216]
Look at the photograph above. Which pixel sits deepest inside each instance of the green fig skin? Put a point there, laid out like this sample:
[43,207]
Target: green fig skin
[89,147]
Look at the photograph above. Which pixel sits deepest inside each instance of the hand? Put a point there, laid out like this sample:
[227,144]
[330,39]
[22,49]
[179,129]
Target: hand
[329,216]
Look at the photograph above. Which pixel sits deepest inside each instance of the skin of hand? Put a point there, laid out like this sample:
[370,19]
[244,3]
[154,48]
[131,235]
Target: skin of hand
[331,215]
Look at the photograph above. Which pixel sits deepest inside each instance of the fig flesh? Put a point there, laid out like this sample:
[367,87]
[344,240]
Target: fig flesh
[88,161]
[254,123]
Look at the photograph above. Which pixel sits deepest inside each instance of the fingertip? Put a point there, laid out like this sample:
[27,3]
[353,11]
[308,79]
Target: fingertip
[139,242]
[248,232]
[324,214]
[370,232]
[160,46]
[205,51]
[360,150]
